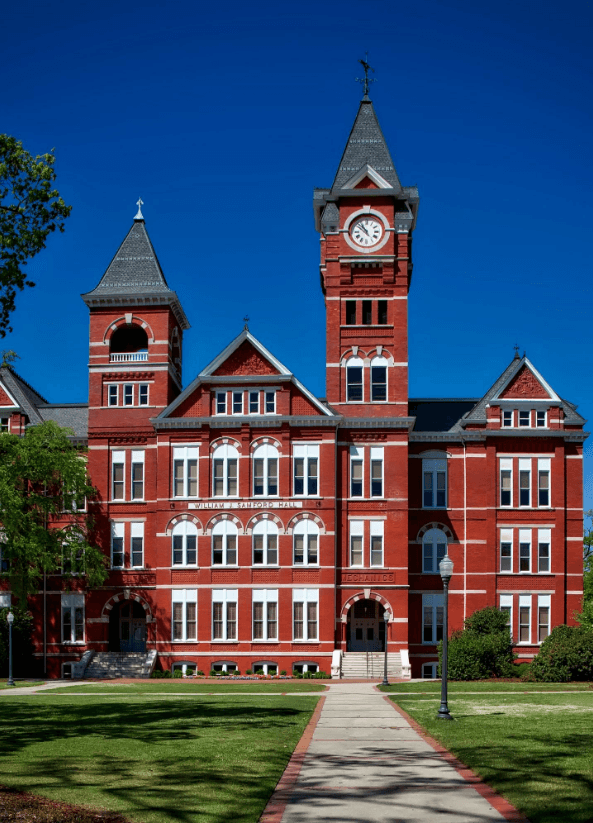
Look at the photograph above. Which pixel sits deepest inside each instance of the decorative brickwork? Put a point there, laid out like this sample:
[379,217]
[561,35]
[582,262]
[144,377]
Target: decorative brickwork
[245,360]
[525,385]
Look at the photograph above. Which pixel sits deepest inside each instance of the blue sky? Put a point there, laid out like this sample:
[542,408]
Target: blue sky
[224,118]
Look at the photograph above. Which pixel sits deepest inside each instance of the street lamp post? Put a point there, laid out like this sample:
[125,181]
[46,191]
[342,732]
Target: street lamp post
[10,619]
[446,570]
[386,617]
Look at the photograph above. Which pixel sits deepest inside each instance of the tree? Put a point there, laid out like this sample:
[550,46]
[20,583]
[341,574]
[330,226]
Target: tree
[45,528]
[30,210]
[585,616]
[483,649]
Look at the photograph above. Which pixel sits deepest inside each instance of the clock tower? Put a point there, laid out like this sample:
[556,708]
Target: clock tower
[366,221]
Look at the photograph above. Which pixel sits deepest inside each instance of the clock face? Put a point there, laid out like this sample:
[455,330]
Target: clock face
[366,231]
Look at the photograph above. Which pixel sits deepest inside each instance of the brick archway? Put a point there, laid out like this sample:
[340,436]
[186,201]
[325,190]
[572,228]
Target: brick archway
[116,599]
[368,595]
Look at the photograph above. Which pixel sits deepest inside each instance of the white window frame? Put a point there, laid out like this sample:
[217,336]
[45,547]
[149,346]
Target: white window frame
[351,387]
[525,540]
[269,399]
[268,598]
[309,530]
[71,603]
[544,467]
[265,529]
[228,666]
[544,601]
[309,455]
[377,457]
[143,389]
[431,556]
[266,667]
[118,533]
[221,402]
[505,537]
[379,362]
[356,543]
[521,413]
[118,458]
[525,468]
[225,529]
[544,537]
[253,400]
[432,603]
[376,537]
[356,460]
[524,603]
[113,394]
[225,454]
[183,458]
[138,456]
[136,533]
[228,598]
[434,467]
[538,415]
[305,597]
[508,418]
[127,394]
[505,603]
[183,530]
[266,453]
[505,465]
[237,398]
[186,598]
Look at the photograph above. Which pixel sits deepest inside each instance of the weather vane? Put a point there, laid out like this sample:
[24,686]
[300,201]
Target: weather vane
[246,321]
[516,347]
[139,203]
[366,80]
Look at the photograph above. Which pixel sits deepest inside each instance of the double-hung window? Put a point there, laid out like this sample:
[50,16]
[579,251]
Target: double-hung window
[506,607]
[128,394]
[306,470]
[378,380]
[224,614]
[543,617]
[544,537]
[265,614]
[118,467]
[185,471]
[225,467]
[376,536]
[356,471]
[185,544]
[434,473]
[254,402]
[376,471]
[506,550]
[143,394]
[434,548]
[432,617]
[138,475]
[540,419]
[224,544]
[525,618]
[524,550]
[137,545]
[265,543]
[506,481]
[113,394]
[543,481]
[237,402]
[265,471]
[507,418]
[270,402]
[354,372]
[356,542]
[184,608]
[72,618]
[221,402]
[304,609]
[117,545]
[524,418]
[306,540]
[524,481]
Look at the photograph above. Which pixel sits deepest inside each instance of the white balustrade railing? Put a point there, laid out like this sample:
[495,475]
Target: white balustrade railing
[129,357]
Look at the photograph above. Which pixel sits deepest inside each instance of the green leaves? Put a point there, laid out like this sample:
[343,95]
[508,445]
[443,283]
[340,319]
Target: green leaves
[30,210]
[43,489]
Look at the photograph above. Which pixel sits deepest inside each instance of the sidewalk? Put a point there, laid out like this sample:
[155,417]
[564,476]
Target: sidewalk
[366,764]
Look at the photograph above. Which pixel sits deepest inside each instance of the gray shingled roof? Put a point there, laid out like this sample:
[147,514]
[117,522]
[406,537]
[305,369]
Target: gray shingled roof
[438,415]
[366,144]
[26,396]
[134,269]
[73,416]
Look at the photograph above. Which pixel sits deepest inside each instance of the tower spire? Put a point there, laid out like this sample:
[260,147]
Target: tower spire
[366,80]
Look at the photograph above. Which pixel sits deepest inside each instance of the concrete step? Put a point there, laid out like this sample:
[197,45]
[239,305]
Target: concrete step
[105,665]
[371,664]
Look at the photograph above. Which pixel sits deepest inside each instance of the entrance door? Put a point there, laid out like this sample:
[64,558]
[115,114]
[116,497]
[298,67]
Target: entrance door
[132,628]
[365,630]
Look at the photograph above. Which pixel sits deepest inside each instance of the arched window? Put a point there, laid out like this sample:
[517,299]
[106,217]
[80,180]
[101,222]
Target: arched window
[224,544]
[265,543]
[128,343]
[378,379]
[354,371]
[265,471]
[225,470]
[434,548]
[306,540]
[185,544]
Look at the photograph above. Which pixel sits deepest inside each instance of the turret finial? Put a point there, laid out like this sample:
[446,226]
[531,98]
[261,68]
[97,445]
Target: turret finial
[516,347]
[246,321]
[139,203]
[366,80]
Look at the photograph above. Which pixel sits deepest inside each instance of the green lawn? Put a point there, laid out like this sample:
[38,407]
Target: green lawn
[481,686]
[534,749]
[20,684]
[189,687]
[155,760]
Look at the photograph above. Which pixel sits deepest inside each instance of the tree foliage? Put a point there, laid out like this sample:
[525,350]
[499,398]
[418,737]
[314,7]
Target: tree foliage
[30,210]
[566,654]
[585,616]
[43,486]
[483,649]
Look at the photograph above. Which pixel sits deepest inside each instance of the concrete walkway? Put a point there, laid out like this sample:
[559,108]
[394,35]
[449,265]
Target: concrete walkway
[366,764]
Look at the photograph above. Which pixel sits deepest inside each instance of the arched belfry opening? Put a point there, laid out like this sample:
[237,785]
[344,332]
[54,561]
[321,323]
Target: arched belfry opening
[366,627]
[129,339]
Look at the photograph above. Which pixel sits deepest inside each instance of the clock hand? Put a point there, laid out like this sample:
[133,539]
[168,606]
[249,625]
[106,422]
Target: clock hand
[365,230]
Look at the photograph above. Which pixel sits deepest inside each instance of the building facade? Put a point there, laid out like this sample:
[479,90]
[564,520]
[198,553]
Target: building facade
[251,525]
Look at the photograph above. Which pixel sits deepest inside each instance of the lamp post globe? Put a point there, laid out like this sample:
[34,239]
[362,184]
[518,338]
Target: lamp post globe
[446,570]
[386,618]
[10,621]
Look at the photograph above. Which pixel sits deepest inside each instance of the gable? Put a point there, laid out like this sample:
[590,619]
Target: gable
[524,386]
[246,360]
[301,405]
[6,399]
[196,405]
[366,183]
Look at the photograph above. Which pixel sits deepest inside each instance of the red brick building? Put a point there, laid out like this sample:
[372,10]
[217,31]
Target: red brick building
[251,525]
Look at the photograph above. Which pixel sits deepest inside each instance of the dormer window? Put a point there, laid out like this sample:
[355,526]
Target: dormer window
[524,418]
[507,418]
[241,402]
[540,419]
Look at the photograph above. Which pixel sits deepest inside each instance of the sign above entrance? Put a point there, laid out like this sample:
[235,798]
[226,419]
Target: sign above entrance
[247,504]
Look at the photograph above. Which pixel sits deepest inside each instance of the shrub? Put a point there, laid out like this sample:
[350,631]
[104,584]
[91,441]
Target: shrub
[177,673]
[566,654]
[200,673]
[483,649]
[213,673]
[283,673]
